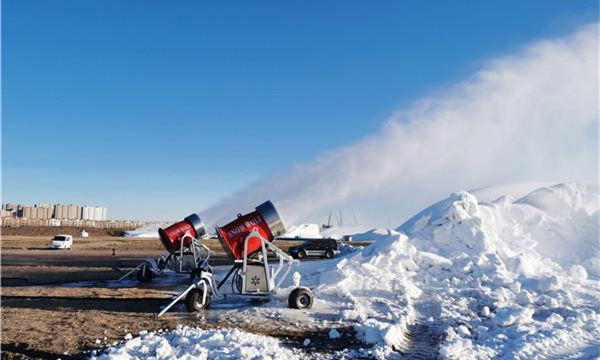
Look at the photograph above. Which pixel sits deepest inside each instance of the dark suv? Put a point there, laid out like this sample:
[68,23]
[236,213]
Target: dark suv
[326,248]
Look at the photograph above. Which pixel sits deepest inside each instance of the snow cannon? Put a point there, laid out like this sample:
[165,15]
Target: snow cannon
[174,237]
[253,276]
[264,219]
[182,241]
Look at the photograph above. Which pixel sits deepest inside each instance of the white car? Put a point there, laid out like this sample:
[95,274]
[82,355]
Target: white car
[61,242]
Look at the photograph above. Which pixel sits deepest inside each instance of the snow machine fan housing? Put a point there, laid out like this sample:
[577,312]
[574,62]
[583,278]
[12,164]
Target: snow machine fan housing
[172,236]
[265,219]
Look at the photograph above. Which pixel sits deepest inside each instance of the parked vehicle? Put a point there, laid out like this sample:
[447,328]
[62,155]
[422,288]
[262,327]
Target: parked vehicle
[325,248]
[61,242]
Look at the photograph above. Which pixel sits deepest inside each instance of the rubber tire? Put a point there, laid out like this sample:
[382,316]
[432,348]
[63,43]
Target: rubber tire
[329,254]
[144,276]
[193,298]
[300,298]
[301,254]
[236,282]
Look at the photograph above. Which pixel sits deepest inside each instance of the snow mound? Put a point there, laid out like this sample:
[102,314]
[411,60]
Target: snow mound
[305,231]
[562,217]
[510,276]
[489,279]
[372,288]
[529,235]
[197,344]
[358,233]
[374,235]
[338,232]
[516,190]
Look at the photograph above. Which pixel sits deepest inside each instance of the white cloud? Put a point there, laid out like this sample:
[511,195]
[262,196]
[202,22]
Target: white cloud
[530,116]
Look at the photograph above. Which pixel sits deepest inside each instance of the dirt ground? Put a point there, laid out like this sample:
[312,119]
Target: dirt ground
[105,244]
[45,317]
[52,230]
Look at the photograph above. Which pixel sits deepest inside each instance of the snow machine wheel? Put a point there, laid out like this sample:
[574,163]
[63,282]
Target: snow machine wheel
[329,254]
[144,274]
[301,254]
[193,300]
[300,298]
[236,283]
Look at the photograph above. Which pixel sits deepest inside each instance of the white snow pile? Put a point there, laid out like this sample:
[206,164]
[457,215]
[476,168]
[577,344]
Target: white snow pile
[515,189]
[147,231]
[510,276]
[531,235]
[355,232]
[338,232]
[185,343]
[374,235]
[305,231]
[372,289]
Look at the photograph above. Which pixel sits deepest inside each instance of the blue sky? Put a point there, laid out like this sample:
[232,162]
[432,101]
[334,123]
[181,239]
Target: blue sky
[156,109]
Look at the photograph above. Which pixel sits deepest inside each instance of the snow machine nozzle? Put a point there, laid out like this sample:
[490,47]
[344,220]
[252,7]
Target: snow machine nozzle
[172,236]
[265,219]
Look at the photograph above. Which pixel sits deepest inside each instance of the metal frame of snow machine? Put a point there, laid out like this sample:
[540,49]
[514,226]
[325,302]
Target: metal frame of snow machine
[151,267]
[253,278]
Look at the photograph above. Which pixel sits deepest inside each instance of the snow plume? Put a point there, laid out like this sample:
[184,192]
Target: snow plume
[533,115]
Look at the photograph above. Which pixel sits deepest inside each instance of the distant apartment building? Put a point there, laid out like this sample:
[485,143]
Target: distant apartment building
[38,211]
[108,224]
[96,213]
[73,212]
[57,211]
[60,211]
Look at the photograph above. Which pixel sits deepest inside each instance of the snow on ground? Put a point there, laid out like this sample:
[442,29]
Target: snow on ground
[186,343]
[371,288]
[511,277]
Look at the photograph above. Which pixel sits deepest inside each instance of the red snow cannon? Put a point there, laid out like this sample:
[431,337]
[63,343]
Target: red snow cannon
[173,236]
[265,219]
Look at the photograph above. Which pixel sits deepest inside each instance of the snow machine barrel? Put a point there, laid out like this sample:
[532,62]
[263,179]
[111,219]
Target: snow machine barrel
[265,219]
[172,236]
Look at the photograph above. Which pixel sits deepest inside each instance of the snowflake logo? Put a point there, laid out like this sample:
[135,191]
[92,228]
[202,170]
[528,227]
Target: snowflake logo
[255,280]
